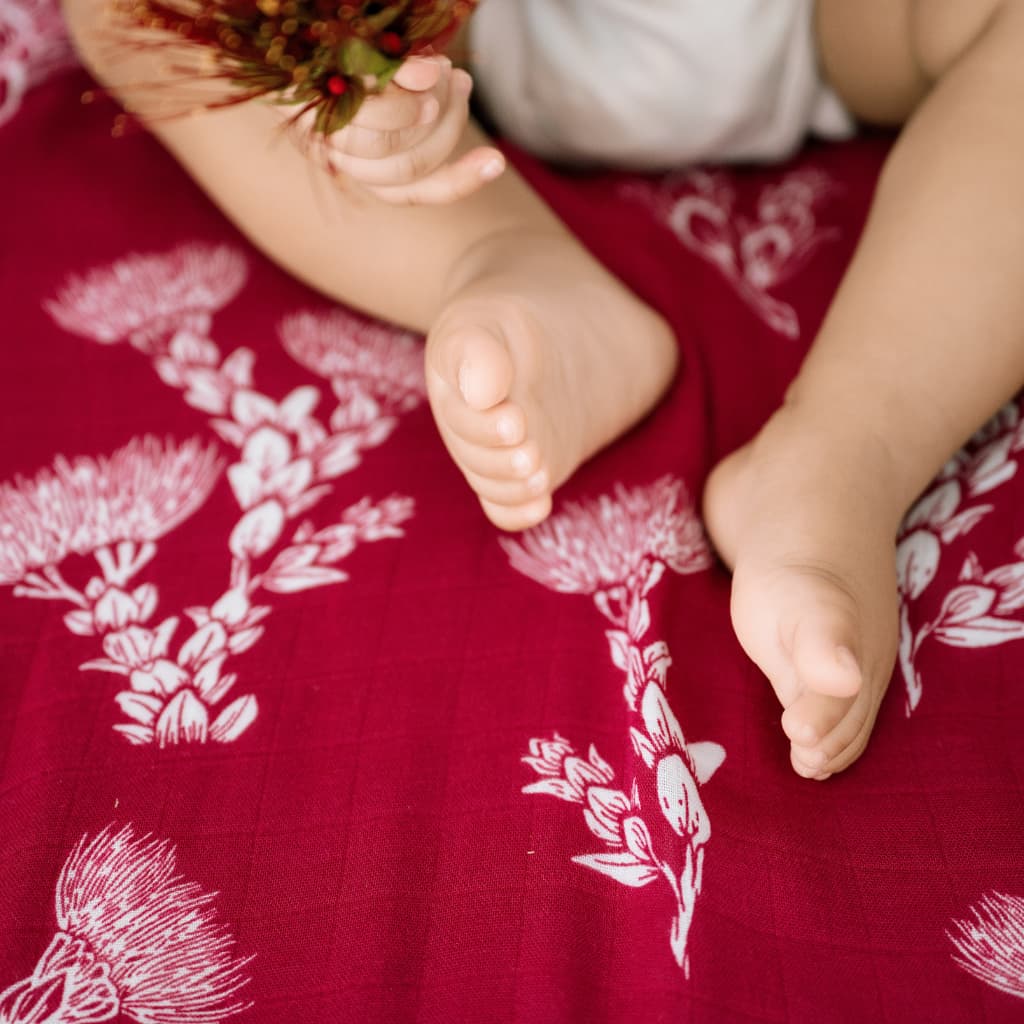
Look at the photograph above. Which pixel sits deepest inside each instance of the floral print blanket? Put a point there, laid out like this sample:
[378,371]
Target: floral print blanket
[288,732]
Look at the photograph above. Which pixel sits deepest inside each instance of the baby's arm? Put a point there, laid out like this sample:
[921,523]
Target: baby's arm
[392,261]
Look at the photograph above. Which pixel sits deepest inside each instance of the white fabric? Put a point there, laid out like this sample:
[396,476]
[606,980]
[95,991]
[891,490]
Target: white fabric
[653,84]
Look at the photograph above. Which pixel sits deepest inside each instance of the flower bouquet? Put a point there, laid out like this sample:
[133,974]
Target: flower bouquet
[322,56]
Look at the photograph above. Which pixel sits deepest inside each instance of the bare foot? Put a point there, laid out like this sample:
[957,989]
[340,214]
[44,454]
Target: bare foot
[539,359]
[805,519]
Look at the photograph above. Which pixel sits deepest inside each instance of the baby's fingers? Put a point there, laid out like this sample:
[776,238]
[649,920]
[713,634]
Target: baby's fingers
[396,119]
[411,161]
[448,183]
[392,110]
[402,104]
[418,74]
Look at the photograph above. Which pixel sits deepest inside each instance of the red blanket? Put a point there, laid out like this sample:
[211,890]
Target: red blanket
[288,732]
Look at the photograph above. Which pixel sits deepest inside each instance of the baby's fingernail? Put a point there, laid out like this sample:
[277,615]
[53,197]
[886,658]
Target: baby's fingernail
[490,170]
[521,462]
[429,110]
[462,81]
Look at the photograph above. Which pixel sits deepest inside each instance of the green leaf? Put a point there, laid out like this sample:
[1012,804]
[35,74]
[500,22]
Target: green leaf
[358,58]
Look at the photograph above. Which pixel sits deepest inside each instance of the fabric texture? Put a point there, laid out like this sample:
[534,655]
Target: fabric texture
[288,732]
[653,84]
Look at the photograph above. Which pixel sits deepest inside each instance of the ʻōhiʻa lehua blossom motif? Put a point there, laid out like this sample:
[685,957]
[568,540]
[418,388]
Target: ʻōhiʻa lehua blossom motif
[654,829]
[86,505]
[34,45]
[991,944]
[146,298]
[134,938]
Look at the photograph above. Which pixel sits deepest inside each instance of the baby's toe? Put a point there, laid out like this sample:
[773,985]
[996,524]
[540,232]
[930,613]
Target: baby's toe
[824,639]
[502,426]
[519,517]
[471,361]
[813,716]
[501,463]
[509,493]
[835,748]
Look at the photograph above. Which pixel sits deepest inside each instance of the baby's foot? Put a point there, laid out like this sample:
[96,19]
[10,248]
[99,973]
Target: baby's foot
[805,520]
[539,359]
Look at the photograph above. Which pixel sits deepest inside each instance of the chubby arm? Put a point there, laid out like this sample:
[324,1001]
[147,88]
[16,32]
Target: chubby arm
[396,262]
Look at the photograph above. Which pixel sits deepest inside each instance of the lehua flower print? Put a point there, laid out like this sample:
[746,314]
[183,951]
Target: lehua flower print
[84,504]
[286,463]
[147,298]
[990,943]
[34,45]
[623,539]
[340,345]
[975,612]
[616,549]
[135,938]
[755,254]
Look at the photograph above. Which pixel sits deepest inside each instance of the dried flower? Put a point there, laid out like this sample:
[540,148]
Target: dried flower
[323,57]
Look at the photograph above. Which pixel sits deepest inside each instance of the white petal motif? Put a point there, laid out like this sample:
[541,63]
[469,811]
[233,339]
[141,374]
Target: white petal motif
[707,758]
[258,530]
[623,867]
[680,800]
[660,721]
[234,719]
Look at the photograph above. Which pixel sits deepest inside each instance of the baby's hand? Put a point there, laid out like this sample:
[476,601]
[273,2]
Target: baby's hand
[399,143]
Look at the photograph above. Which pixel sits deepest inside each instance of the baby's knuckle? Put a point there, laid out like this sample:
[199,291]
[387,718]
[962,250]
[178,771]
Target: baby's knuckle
[386,143]
[414,163]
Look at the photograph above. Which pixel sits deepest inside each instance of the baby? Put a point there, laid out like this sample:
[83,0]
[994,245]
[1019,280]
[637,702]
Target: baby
[536,357]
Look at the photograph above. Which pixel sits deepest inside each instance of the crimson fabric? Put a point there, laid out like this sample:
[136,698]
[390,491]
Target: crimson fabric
[331,759]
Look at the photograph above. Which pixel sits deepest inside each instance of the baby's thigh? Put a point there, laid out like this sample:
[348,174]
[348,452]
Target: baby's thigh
[882,56]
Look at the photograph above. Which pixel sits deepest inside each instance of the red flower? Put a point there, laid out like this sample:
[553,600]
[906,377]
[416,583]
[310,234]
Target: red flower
[324,59]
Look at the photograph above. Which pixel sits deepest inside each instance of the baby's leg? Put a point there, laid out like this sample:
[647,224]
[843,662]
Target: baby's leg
[536,356]
[924,341]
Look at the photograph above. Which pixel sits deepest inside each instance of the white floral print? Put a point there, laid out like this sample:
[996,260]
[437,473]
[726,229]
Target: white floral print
[33,46]
[91,506]
[134,937]
[616,549]
[146,298]
[990,942]
[754,254]
[978,612]
[176,688]
[352,351]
